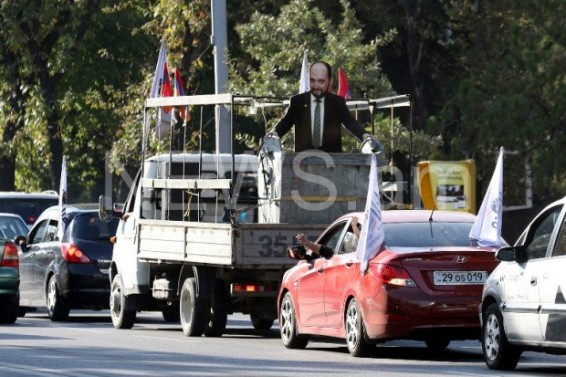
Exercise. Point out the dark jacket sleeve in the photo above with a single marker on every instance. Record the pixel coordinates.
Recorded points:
(288, 120)
(348, 120)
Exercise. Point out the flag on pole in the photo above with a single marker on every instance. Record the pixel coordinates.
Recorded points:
(161, 87)
(64, 217)
(372, 235)
(179, 90)
(304, 84)
(343, 88)
(486, 230)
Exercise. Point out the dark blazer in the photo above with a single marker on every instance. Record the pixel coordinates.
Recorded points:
(336, 113)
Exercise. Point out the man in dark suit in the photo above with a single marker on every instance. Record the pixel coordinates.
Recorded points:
(319, 128)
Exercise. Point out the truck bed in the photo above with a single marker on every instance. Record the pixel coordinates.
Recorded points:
(218, 244)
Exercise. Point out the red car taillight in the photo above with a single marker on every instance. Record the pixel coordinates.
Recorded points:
(73, 254)
(10, 258)
(392, 275)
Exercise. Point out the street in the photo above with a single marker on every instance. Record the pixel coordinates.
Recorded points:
(88, 345)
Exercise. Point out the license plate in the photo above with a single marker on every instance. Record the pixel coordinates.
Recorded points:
(459, 277)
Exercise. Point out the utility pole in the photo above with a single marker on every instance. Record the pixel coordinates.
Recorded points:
(218, 40)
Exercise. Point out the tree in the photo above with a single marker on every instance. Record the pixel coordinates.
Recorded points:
(64, 64)
(510, 90)
(273, 46)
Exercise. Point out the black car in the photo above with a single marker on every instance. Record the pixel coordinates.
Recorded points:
(71, 273)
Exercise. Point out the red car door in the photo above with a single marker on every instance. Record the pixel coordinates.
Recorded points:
(340, 271)
(309, 297)
(312, 281)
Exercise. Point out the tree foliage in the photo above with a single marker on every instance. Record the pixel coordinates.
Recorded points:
(481, 74)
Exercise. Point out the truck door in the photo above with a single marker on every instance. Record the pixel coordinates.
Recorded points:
(124, 254)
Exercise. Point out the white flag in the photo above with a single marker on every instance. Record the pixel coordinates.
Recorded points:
(304, 84)
(486, 230)
(372, 235)
(161, 87)
(64, 219)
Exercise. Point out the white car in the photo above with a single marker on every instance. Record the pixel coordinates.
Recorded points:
(523, 301)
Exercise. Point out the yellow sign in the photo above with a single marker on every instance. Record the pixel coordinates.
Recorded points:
(448, 185)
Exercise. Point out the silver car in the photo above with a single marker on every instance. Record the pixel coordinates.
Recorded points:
(523, 302)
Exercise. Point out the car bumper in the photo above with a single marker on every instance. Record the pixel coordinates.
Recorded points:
(84, 286)
(9, 281)
(404, 315)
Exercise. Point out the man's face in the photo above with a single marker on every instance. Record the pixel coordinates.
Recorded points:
(319, 80)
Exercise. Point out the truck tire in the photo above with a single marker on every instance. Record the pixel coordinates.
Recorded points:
(218, 311)
(193, 309)
(56, 308)
(122, 318)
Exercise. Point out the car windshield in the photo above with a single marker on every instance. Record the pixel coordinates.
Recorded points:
(88, 226)
(12, 227)
(28, 208)
(427, 234)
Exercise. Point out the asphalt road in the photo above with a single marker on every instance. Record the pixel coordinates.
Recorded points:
(88, 345)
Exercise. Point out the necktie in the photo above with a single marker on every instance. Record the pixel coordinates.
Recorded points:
(316, 125)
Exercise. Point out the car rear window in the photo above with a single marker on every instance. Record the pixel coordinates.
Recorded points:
(427, 234)
(28, 208)
(88, 226)
(12, 227)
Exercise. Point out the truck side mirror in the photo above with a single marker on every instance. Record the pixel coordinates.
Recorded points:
(104, 208)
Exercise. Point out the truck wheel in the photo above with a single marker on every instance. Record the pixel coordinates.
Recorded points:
(10, 305)
(355, 331)
(218, 311)
(261, 323)
(122, 318)
(56, 309)
(194, 313)
(288, 325)
(497, 352)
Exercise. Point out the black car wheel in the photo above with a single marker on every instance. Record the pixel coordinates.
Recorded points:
(260, 322)
(122, 316)
(10, 308)
(497, 352)
(56, 308)
(355, 331)
(218, 311)
(288, 325)
(194, 313)
(437, 344)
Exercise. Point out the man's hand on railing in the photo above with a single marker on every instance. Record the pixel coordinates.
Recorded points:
(375, 146)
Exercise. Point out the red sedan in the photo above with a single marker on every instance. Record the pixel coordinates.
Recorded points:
(425, 284)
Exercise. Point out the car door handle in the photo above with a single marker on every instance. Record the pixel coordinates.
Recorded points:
(349, 264)
(533, 280)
